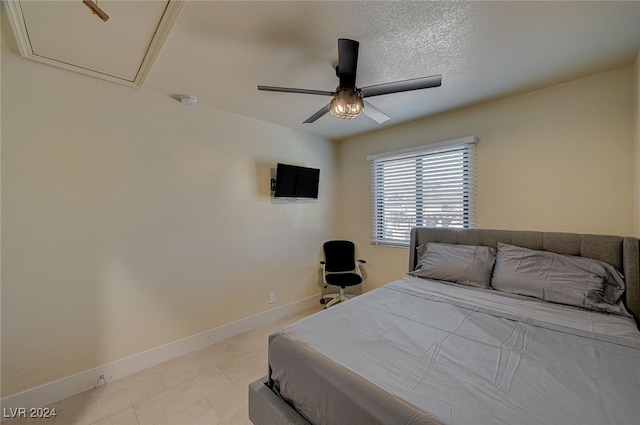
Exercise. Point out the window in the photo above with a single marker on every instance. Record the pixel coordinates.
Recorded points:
(432, 185)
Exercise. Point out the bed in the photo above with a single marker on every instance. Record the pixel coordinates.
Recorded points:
(488, 327)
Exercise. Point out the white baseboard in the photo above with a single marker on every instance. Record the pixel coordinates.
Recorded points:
(51, 392)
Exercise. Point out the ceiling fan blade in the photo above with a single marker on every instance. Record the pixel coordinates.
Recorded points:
(400, 86)
(317, 115)
(347, 62)
(374, 113)
(293, 90)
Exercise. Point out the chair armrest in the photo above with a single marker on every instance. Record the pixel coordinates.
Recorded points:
(324, 273)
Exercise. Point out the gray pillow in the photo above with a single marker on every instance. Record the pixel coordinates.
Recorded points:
(563, 279)
(465, 264)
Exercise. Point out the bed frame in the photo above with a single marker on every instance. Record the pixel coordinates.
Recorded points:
(266, 408)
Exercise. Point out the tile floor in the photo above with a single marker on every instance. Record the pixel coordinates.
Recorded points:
(207, 387)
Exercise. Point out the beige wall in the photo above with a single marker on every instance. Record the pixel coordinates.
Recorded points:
(130, 221)
(558, 159)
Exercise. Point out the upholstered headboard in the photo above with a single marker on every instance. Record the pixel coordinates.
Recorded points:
(620, 252)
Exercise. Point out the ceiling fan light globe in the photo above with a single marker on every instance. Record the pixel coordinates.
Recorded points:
(346, 104)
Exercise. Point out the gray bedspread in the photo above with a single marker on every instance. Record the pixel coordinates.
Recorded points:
(457, 355)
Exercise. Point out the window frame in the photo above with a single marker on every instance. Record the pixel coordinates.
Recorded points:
(381, 228)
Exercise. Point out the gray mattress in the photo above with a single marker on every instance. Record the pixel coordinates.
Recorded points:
(417, 351)
(455, 355)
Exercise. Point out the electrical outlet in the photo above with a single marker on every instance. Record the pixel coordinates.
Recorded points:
(272, 297)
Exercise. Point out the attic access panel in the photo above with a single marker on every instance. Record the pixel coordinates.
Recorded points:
(68, 35)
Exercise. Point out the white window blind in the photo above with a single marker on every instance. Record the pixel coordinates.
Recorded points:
(432, 185)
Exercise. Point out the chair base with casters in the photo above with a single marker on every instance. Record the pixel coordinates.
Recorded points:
(331, 299)
(340, 269)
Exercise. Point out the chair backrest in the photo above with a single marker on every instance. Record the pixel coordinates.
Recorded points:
(340, 256)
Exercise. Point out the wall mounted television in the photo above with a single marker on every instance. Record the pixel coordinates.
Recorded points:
(293, 181)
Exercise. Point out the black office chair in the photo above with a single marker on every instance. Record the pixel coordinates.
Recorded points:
(340, 268)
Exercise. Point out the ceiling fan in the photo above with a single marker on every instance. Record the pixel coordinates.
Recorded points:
(348, 100)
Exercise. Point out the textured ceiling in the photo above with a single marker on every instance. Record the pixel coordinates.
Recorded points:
(220, 51)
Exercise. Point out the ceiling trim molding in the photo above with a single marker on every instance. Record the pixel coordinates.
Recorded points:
(162, 32)
(16, 20)
(19, 29)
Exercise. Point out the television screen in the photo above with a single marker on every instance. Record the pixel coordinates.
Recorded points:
(293, 181)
